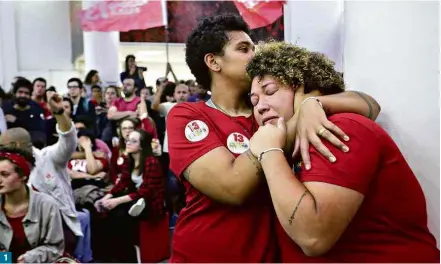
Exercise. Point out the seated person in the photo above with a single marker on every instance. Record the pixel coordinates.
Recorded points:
(92, 170)
(30, 221)
(367, 205)
(139, 194)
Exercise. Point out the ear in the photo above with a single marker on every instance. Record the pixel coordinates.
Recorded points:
(210, 61)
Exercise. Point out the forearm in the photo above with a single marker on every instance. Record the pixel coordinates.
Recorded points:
(351, 102)
(294, 204)
(118, 115)
(91, 163)
(245, 176)
(64, 124)
(123, 199)
(156, 103)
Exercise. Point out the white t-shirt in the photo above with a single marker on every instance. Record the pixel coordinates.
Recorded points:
(137, 180)
(164, 110)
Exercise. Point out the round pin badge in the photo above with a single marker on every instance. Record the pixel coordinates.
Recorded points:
(196, 130)
(238, 143)
(120, 161)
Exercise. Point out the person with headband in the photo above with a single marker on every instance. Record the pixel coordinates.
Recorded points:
(30, 222)
(367, 205)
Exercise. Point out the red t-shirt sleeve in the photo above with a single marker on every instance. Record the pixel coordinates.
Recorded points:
(149, 128)
(115, 103)
(355, 169)
(183, 151)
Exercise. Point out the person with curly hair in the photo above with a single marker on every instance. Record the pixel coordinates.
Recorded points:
(209, 150)
(30, 222)
(368, 206)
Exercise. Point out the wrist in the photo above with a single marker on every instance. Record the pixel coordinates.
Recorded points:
(269, 157)
(268, 151)
(58, 112)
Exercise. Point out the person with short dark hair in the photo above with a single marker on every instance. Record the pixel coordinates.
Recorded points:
(39, 95)
(199, 94)
(125, 107)
(228, 216)
(82, 106)
(25, 113)
(368, 206)
(92, 79)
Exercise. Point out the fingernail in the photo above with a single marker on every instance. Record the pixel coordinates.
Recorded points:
(346, 138)
(345, 149)
(332, 159)
(307, 166)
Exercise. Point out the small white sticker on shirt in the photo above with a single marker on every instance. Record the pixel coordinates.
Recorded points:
(196, 130)
(238, 143)
(120, 161)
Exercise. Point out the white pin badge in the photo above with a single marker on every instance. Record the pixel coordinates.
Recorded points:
(120, 161)
(196, 130)
(238, 143)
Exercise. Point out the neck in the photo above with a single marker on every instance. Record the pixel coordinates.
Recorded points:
(135, 157)
(21, 108)
(129, 98)
(37, 98)
(75, 100)
(17, 197)
(230, 98)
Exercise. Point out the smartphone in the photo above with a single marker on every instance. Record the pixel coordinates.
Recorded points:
(143, 68)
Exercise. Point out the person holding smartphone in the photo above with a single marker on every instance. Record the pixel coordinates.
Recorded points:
(133, 71)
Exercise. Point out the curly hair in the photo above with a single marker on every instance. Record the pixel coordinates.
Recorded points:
(293, 65)
(25, 154)
(22, 83)
(210, 36)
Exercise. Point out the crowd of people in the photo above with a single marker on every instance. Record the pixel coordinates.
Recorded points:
(263, 158)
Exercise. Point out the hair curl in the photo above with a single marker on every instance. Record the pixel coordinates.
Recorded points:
(210, 36)
(293, 65)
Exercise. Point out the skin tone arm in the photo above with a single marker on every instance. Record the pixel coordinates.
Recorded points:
(113, 114)
(156, 102)
(216, 173)
(55, 104)
(93, 166)
(318, 214)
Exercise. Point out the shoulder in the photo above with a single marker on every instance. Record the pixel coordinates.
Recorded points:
(349, 122)
(187, 108)
(43, 199)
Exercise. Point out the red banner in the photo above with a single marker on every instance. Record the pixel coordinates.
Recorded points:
(258, 13)
(123, 15)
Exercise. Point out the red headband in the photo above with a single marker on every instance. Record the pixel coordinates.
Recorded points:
(18, 160)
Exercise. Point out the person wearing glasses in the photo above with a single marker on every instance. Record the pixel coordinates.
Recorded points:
(81, 106)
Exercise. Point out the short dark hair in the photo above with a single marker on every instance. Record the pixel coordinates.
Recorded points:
(51, 89)
(80, 83)
(39, 79)
(22, 83)
(210, 36)
(95, 87)
(293, 65)
(67, 99)
(131, 78)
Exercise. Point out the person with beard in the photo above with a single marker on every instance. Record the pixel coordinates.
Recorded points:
(125, 107)
(81, 106)
(25, 113)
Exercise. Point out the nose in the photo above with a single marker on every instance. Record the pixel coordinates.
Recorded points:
(262, 107)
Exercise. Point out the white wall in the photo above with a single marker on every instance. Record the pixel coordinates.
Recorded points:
(37, 40)
(392, 52)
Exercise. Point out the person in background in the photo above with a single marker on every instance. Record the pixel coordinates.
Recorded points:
(191, 86)
(82, 107)
(97, 97)
(92, 78)
(180, 95)
(209, 149)
(107, 128)
(3, 126)
(50, 174)
(39, 95)
(147, 92)
(138, 195)
(133, 71)
(25, 113)
(30, 222)
(367, 206)
(125, 107)
(199, 94)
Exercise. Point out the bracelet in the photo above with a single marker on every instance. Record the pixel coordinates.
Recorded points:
(266, 151)
(315, 98)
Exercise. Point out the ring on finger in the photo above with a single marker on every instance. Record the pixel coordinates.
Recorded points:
(321, 131)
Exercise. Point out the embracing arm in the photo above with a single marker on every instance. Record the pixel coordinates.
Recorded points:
(224, 178)
(351, 102)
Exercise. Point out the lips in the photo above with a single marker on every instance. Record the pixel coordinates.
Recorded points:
(268, 119)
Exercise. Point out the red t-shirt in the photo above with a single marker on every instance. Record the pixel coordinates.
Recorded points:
(209, 231)
(19, 244)
(47, 112)
(80, 164)
(391, 224)
(122, 105)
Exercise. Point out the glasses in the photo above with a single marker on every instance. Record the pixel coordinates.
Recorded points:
(131, 141)
(73, 86)
(127, 128)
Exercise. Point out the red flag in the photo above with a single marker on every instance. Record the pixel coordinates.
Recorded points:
(123, 15)
(259, 13)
